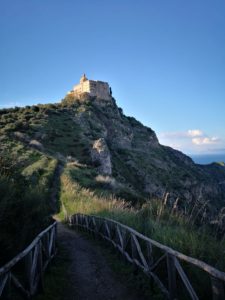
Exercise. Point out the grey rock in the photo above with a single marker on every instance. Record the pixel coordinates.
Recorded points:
(37, 145)
(100, 154)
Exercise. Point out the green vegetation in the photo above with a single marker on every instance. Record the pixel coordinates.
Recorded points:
(34, 140)
(154, 219)
(25, 180)
(56, 281)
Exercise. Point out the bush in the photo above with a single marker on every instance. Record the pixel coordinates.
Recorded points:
(25, 208)
(23, 213)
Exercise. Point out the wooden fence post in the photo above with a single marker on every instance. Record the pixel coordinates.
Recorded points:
(28, 265)
(46, 245)
(40, 267)
(149, 254)
(133, 248)
(171, 270)
(130, 243)
(33, 266)
(54, 239)
(134, 254)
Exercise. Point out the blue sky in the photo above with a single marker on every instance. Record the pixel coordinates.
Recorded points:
(165, 60)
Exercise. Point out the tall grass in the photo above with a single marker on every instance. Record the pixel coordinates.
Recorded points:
(154, 219)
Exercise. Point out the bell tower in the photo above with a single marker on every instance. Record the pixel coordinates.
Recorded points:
(83, 78)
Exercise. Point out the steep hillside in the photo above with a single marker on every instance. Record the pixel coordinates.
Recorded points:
(139, 164)
(112, 153)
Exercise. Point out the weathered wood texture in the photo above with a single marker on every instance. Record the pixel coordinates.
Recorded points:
(148, 255)
(24, 273)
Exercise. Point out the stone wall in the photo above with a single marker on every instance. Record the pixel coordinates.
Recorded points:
(98, 89)
(83, 87)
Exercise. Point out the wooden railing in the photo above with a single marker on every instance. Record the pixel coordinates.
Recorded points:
(168, 268)
(24, 273)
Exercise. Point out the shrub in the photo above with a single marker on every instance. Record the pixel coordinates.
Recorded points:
(25, 208)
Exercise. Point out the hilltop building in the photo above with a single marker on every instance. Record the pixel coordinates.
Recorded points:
(94, 88)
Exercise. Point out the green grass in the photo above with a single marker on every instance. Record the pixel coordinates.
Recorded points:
(26, 177)
(27, 180)
(169, 228)
(155, 220)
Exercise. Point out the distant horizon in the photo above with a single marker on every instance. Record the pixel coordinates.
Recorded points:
(208, 158)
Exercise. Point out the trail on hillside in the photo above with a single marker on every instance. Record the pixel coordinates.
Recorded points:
(90, 276)
(55, 188)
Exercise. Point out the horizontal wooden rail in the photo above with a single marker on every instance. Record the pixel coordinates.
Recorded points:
(148, 255)
(24, 273)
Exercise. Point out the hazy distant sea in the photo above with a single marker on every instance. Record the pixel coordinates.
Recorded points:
(207, 159)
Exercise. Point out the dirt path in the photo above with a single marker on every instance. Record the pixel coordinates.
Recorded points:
(54, 201)
(91, 277)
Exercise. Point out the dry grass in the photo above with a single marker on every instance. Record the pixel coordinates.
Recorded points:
(155, 219)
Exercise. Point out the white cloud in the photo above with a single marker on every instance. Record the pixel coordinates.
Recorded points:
(192, 141)
(194, 132)
(205, 140)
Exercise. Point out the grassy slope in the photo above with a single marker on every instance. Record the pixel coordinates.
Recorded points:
(26, 177)
(168, 227)
(33, 140)
(61, 137)
(153, 219)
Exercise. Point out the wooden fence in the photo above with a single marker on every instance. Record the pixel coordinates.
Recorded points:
(24, 273)
(163, 265)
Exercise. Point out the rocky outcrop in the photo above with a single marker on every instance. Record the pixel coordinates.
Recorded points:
(100, 155)
(132, 153)
(22, 136)
(37, 145)
(121, 150)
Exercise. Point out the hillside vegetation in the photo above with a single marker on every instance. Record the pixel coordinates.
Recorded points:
(114, 167)
(155, 218)
(25, 181)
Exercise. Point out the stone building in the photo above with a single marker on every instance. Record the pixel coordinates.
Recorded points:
(94, 88)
